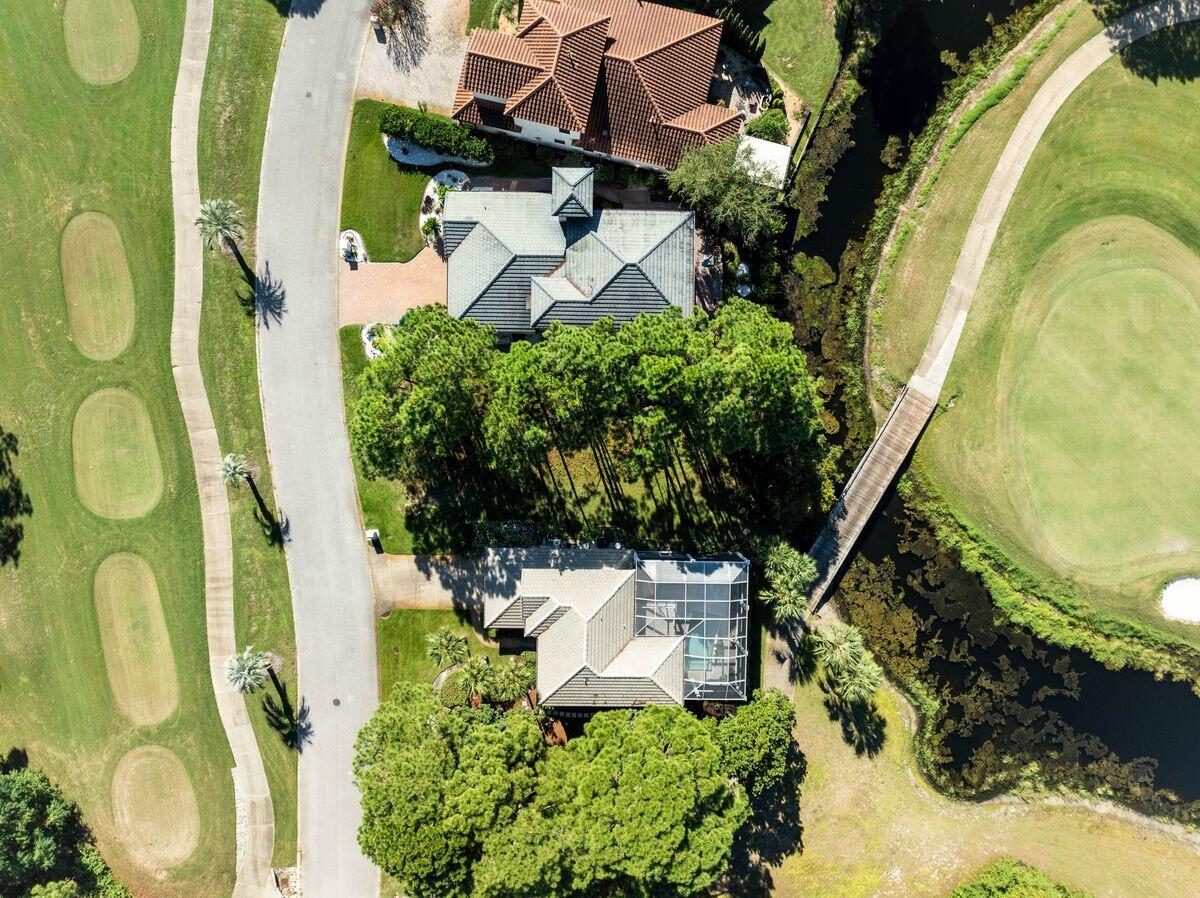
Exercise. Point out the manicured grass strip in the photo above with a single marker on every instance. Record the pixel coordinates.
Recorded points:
(380, 200)
(98, 286)
(155, 807)
(382, 501)
(102, 39)
(480, 15)
(117, 468)
(401, 640)
(137, 645)
(237, 91)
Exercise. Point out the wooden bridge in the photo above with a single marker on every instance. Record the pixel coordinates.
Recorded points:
(870, 480)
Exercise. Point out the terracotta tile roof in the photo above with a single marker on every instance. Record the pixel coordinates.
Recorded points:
(544, 100)
(632, 76)
(705, 118)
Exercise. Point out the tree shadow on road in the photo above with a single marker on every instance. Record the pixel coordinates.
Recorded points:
(267, 298)
(15, 503)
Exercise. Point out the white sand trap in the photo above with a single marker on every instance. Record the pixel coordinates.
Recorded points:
(1181, 599)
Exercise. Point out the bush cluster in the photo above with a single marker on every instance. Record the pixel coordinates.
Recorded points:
(771, 125)
(435, 132)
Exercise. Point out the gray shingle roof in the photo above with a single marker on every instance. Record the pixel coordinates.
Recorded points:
(571, 192)
(516, 264)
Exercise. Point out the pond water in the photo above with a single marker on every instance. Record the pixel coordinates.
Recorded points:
(1008, 698)
(905, 79)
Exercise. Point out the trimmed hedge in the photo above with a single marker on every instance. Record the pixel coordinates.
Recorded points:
(435, 132)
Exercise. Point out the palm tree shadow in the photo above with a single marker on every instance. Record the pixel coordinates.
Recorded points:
(276, 530)
(269, 297)
(863, 728)
(293, 725)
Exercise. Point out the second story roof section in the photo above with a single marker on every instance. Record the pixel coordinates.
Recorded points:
(620, 78)
(519, 261)
(618, 630)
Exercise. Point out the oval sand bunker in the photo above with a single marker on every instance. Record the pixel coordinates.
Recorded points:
(137, 646)
(118, 473)
(1181, 600)
(155, 808)
(102, 39)
(97, 284)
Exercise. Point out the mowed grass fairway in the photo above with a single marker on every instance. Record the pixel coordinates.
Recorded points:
(71, 147)
(98, 286)
(1070, 436)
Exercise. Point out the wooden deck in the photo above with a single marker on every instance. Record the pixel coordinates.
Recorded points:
(867, 485)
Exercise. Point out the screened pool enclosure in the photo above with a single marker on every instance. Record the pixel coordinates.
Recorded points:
(705, 599)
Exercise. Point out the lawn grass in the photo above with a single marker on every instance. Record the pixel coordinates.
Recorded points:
(401, 640)
(71, 147)
(872, 827)
(1069, 441)
(480, 15)
(802, 48)
(237, 91)
(380, 199)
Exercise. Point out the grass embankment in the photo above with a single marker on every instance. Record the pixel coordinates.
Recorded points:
(1072, 479)
(74, 147)
(872, 827)
(802, 48)
(233, 115)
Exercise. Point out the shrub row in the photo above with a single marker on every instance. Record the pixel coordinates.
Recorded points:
(435, 132)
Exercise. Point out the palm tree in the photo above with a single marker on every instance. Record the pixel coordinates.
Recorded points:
(222, 222)
(235, 470)
(508, 683)
(790, 576)
(838, 646)
(859, 683)
(478, 679)
(247, 670)
(446, 648)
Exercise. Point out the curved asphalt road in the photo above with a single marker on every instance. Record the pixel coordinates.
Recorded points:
(300, 377)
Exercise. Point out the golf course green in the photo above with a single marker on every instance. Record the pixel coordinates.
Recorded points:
(1067, 437)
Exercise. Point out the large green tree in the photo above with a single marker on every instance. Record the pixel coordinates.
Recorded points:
(730, 191)
(640, 805)
(436, 784)
(420, 408)
(40, 831)
(756, 741)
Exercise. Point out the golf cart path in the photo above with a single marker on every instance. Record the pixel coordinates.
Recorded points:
(301, 388)
(916, 402)
(255, 813)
